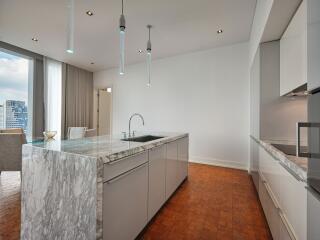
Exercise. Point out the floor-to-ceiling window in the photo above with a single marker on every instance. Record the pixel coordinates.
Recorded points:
(16, 79)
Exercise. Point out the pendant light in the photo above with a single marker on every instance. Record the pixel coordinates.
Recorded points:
(70, 30)
(122, 27)
(149, 57)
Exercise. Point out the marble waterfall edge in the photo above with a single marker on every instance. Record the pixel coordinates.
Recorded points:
(58, 195)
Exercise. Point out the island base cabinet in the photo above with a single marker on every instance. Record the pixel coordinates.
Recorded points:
(183, 156)
(157, 179)
(172, 169)
(125, 201)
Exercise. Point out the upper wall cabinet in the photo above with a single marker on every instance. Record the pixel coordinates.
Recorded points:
(293, 52)
(313, 44)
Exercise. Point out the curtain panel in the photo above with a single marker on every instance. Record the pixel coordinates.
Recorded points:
(77, 98)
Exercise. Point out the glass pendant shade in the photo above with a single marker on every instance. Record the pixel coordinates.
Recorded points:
(149, 67)
(70, 29)
(122, 40)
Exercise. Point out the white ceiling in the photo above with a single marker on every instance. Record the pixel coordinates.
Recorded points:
(180, 26)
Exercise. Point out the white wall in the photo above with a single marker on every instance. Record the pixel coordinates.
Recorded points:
(263, 9)
(278, 115)
(203, 93)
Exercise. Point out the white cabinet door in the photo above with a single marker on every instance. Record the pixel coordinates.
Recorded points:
(157, 179)
(183, 156)
(125, 204)
(313, 44)
(172, 168)
(293, 203)
(293, 52)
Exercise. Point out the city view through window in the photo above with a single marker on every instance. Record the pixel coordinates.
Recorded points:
(15, 76)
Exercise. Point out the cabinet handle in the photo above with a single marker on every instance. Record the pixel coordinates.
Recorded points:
(288, 227)
(296, 176)
(275, 203)
(123, 158)
(122, 175)
(298, 136)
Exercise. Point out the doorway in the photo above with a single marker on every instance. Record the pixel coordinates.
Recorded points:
(104, 111)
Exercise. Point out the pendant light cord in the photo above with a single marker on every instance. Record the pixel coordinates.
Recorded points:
(122, 7)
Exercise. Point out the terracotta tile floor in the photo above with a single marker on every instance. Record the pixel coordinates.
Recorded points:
(214, 203)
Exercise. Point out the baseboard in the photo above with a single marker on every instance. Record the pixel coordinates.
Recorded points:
(218, 162)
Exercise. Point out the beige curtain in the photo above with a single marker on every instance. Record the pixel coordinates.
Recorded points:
(77, 98)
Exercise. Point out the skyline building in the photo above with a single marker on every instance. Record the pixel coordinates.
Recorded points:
(2, 122)
(16, 114)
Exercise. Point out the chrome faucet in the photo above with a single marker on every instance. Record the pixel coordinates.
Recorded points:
(135, 114)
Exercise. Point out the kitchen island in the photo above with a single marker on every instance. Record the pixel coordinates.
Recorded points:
(99, 187)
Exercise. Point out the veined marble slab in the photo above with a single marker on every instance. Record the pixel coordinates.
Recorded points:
(62, 184)
(298, 165)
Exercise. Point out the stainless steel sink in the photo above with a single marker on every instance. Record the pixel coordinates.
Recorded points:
(145, 138)
(289, 149)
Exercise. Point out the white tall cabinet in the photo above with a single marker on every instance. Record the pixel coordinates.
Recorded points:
(293, 52)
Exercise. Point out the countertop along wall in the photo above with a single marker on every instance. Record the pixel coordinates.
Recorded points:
(204, 93)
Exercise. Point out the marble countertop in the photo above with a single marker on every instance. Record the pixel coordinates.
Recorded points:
(107, 148)
(298, 165)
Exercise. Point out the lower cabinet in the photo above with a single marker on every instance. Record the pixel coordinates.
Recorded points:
(177, 164)
(284, 233)
(183, 156)
(136, 187)
(271, 211)
(125, 200)
(284, 199)
(313, 215)
(172, 168)
(157, 179)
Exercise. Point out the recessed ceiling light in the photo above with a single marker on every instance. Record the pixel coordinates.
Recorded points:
(220, 31)
(92, 63)
(35, 39)
(89, 13)
(140, 51)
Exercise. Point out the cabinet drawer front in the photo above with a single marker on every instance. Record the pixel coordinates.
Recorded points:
(294, 203)
(270, 210)
(271, 173)
(114, 169)
(125, 205)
